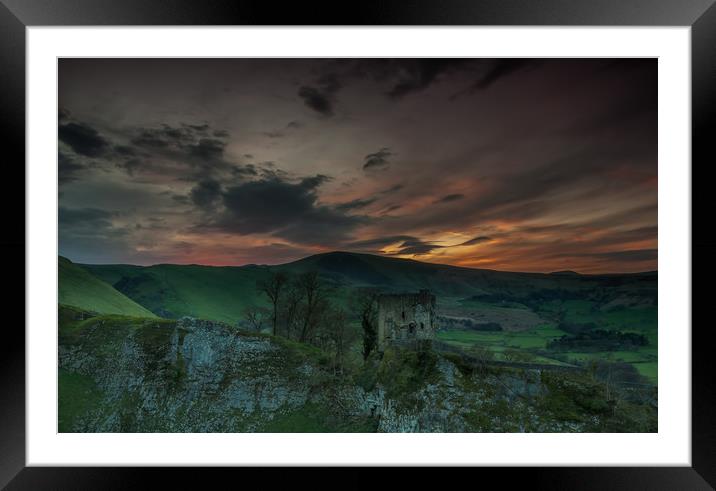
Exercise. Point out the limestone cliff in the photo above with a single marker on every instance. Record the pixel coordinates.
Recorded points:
(123, 374)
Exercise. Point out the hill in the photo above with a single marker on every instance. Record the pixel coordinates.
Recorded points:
(222, 293)
(78, 288)
(172, 291)
(453, 281)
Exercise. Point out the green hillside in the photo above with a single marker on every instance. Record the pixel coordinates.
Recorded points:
(223, 293)
(451, 281)
(81, 289)
(172, 291)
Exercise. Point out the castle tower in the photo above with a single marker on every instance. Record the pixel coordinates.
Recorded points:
(405, 316)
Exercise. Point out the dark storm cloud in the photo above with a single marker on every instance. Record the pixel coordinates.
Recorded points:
(150, 139)
(201, 128)
(477, 240)
(377, 160)
(406, 244)
(130, 160)
(189, 138)
(83, 139)
(355, 204)
(132, 165)
(500, 69)
(419, 74)
(207, 149)
(449, 198)
(283, 208)
(86, 220)
(186, 151)
(411, 76)
(316, 100)
(125, 150)
(241, 171)
(280, 133)
(206, 194)
(163, 149)
(627, 105)
(374, 245)
(417, 247)
(89, 234)
(181, 199)
(69, 169)
(321, 97)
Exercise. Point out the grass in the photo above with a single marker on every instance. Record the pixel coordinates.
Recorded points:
(79, 288)
(648, 369)
(77, 395)
(578, 311)
(172, 291)
(314, 418)
(402, 372)
(641, 320)
(499, 341)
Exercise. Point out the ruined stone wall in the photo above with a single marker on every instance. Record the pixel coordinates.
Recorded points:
(406, 316)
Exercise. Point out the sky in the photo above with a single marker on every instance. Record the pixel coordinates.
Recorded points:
(509, 164)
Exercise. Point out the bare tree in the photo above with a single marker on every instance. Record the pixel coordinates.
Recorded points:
(313, 292)
(255, 317)
(335, 335)
(291, 309)
(366, 304)
(273, 287)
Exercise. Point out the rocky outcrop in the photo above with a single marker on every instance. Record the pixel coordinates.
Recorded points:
(153, 375)
(188, 375)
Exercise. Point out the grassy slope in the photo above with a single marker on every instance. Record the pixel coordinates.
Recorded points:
(80, 289)
(172, 291)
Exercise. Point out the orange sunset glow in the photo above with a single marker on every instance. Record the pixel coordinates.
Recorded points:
(508, 164)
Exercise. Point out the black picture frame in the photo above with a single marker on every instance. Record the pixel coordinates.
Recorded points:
(16, 15)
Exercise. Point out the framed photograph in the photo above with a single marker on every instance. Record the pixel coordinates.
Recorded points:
(450, 234)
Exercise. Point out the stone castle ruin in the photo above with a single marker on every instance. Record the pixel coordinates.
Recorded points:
(405, 316)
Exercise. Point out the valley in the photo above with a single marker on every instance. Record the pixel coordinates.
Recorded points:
(172, 348)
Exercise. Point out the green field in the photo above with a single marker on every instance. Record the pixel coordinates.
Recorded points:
(79, 288)
(534, 341)
(497, 342)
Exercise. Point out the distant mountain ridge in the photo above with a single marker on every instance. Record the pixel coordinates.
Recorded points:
(222, 293)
